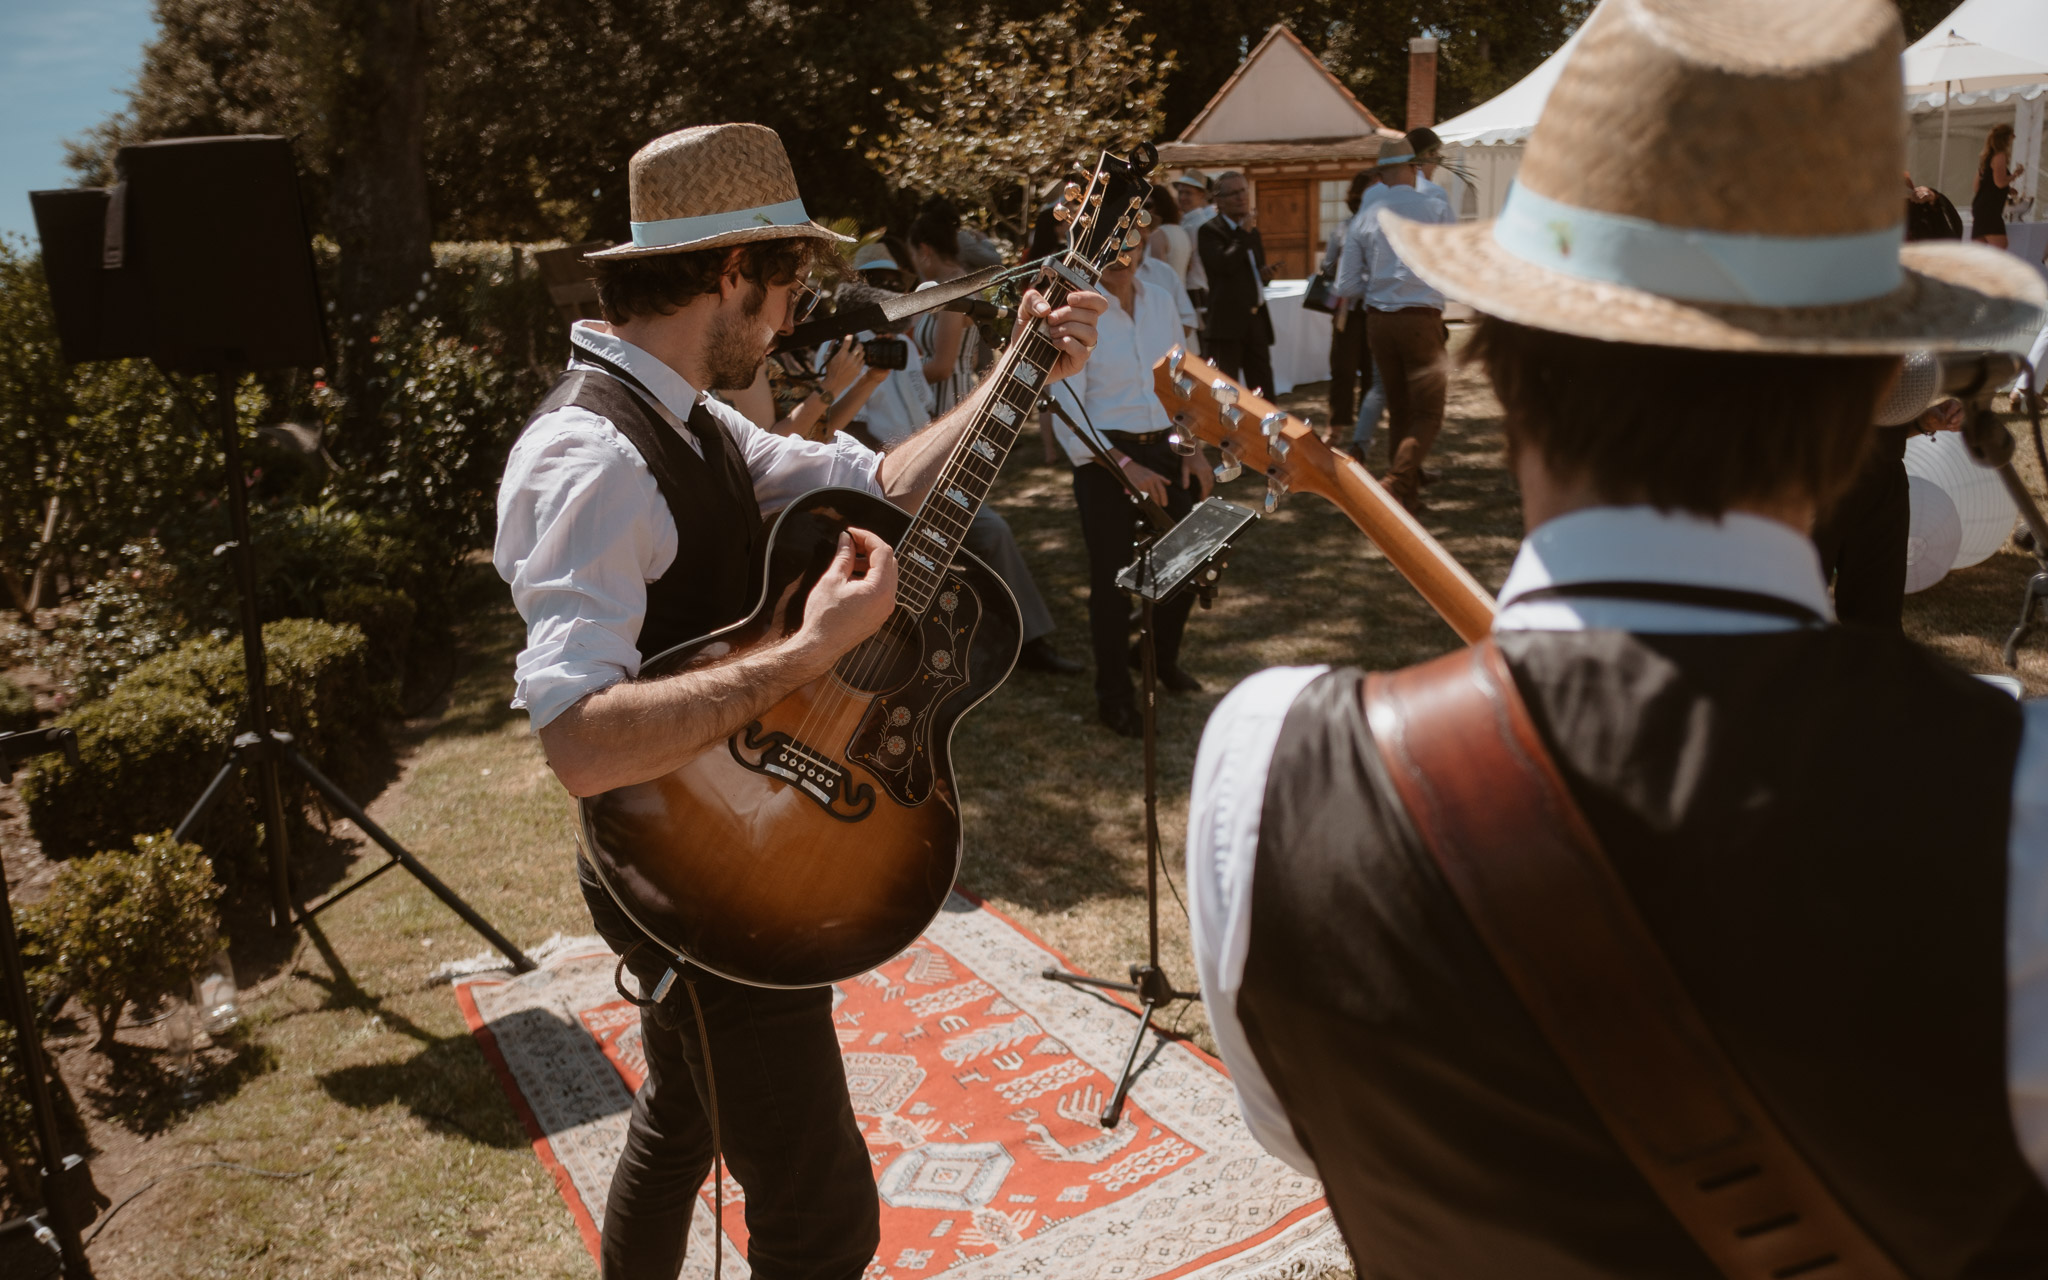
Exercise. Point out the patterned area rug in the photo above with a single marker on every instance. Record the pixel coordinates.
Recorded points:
(977, 1084)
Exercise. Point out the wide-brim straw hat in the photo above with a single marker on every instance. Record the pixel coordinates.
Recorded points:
(712, 186)
(1725, 176)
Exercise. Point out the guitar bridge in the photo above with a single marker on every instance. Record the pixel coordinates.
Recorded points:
(815, 774)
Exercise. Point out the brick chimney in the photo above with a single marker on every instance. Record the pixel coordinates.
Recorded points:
(1421, 81)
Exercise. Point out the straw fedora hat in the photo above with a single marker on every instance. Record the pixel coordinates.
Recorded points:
(712, 186)
(1724, 175)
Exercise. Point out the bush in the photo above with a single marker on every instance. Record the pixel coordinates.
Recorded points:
(148, 749)
(18, 1154)
(385, 617)
(302, 554)
(17, 708)
(123, 619)
(130, 927)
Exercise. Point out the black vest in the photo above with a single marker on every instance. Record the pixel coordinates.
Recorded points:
(1814, 825)
(713, 582)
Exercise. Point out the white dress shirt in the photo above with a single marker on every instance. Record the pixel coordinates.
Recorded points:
(1602, 544)
(1115, 386)
(1161, 273)
(583, 528)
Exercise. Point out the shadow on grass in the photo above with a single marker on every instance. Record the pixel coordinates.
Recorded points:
(143, 1094)
(446, 1082)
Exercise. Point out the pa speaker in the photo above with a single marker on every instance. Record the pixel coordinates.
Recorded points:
(102, 313)
(201, 254)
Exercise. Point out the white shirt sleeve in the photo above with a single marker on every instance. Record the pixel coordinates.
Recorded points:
(582, 530)
(784, 468)
(2026, 941)
(1224, 808)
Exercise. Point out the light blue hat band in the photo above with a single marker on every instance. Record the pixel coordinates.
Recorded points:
(1693, 265)
(675, 231)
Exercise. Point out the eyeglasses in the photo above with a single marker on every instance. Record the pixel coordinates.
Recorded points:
(803, 301)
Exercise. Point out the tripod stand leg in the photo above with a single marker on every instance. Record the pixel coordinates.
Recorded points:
(206, 799)
(2037, 588)
(1115, 1110)
(340, 800)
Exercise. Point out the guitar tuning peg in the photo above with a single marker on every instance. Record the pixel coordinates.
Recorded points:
(1276, 489)
(1061, 213)
(1144, 217)
(1278, 447)
(1123, 259)
(1223, 392)
(1174, 359)
(1095, 199)
(1131, 238)
(1182, 443)
(1184, 386)
(1269, 426)
(1072, 192)
(1230, 468)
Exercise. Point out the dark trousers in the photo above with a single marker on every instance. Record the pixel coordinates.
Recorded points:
(1862, 540)
(785, 1122)
(1108, 526)
(1350, 369)
(1251, 363)
(1408, 349)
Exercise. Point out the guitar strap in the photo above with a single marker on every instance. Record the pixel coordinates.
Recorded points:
(1489, 804)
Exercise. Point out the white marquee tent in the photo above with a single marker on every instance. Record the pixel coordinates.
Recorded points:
(2003, 87)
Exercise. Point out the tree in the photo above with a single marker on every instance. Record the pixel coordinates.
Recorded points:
(1018, 103)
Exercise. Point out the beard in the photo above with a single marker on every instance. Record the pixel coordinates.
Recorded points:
(733, 346)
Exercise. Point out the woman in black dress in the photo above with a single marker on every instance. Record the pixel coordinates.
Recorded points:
(1995, 175)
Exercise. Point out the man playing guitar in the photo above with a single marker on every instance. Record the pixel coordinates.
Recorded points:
(627, 520)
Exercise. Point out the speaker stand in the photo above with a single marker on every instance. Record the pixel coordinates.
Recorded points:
(263, 751)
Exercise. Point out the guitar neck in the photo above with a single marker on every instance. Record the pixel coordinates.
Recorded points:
(1013, 387)
(1435, 575)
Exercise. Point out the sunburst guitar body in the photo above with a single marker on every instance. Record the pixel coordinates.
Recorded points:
(822, 838)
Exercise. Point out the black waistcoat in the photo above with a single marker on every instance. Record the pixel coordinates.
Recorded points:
(1814, 825)
(713, 581)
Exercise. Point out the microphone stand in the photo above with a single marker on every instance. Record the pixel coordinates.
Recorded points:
(1149, 981)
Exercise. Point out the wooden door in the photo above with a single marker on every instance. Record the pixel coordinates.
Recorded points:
(1284, 217)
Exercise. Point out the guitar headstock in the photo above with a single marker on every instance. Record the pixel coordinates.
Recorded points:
(1108, 219)
(1249, 431)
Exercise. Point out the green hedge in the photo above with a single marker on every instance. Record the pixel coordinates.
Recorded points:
(148, 748)
(128, 927)
(17, 708)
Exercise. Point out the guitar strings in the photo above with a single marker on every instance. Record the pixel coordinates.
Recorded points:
(880, 650)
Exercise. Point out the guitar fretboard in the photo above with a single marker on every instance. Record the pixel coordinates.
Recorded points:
(928, 549)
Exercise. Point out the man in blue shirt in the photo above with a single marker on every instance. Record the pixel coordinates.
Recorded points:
(1406, 329)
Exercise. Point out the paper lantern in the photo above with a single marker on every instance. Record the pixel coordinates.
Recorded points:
(1935, 537)
(1958, 507)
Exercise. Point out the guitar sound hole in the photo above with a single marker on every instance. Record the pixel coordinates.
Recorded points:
(887, 660)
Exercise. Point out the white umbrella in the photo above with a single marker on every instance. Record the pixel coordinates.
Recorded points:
(1947, 64)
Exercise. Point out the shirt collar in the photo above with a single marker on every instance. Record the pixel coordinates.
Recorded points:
(1738, 552)
(676, 394)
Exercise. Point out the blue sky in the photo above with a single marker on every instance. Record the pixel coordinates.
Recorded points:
(64, 66)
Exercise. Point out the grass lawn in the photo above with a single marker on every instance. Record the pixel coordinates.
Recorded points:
(355, 1066)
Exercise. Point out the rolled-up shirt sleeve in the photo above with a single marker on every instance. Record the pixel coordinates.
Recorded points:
(1224, 808)
(784, 468)
(576, 543)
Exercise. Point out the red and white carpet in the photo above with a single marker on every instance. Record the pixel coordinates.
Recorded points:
(977, 1084)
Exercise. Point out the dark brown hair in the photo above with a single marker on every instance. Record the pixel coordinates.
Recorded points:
(1696, 431)
(661, 283)
(1165, 209)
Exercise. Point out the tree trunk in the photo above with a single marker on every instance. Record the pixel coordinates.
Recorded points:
(379, 208)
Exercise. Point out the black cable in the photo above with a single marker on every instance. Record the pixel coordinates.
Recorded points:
(190, 1168)
(717, 1148)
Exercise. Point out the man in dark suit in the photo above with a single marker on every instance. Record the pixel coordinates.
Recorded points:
(1240, 333)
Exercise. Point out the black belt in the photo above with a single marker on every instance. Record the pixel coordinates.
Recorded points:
(1678, 593)
(1122, 438)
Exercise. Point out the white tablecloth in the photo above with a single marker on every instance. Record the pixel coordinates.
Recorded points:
(1301, 338)
(2028, 239)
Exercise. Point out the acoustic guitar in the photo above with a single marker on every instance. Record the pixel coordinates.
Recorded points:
(821, 839)
(1252, 432)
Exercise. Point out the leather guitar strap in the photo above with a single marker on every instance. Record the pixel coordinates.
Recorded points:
(1490, 806)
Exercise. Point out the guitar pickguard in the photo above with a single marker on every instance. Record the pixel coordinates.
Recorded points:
(896, 739)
